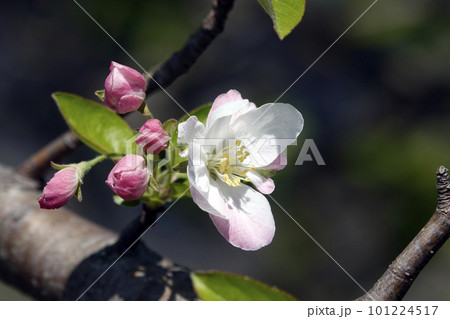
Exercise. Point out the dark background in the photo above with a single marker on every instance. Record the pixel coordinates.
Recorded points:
(376, 105)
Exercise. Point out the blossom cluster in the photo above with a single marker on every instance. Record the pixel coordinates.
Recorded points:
(231, 158)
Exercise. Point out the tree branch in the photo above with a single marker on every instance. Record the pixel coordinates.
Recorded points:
(178, 64)
(400, 275)
(57, 255)
(38, 163)
(181, 61)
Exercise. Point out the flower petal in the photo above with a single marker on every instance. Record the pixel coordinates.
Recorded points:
(279, 163)
(228, 104)
(249, 223)
(268, 130)
(129, 103)
(190, 129)
(263, 184)
(204, 200)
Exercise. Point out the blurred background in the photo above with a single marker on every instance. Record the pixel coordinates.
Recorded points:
(376, 105)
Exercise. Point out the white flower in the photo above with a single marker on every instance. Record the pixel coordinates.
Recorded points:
(239, 142)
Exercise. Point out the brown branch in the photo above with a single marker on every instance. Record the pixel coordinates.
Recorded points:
(58, 255)
(39, 250)
(400, 275)
(39, 162)
(181, 61)
(178, 64)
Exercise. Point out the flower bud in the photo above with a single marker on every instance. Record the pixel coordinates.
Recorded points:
(152, 137)
(60, 189)
(129, 178)
(124, 88)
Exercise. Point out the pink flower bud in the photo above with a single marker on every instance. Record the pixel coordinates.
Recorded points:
(124, 88)
(152, 137)
(60, 189)
(129, 178)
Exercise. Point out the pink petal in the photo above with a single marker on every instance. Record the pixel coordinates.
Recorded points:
(226, 104)
(279, 163)
(60, 189)
(230, 96)
(249, 223)
(245, 221)
(129, 103)
(264, 185)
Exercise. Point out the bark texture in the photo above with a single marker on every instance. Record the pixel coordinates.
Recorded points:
(54, 255)
(402, 272)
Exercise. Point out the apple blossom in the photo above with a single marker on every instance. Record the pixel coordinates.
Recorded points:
(60, 189)
(238, 145)
(124, 88)
(152, 137)
(129, 178)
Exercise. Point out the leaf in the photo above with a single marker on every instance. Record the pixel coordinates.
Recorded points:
(170, 126)
(126, 203)
(95, 125)
(218, 286)
(285, 14)
(180, 189)
(180, 167)
(200, 112)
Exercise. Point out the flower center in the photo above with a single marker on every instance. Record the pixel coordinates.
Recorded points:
(228, 164)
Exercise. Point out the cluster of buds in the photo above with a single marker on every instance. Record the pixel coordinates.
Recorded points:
(129, 178)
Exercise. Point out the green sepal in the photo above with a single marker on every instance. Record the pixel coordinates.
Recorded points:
(126, 203)
(144, 110)
(78, 192)
(61, 166)
(153, 184)
(100, 94)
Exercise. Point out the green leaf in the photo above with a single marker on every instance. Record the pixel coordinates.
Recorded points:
(285, 14)
(126, 203)
(97, 126)
(179, 189)
(200, 112)
(170, 126)
(181, 167)
(218, 286)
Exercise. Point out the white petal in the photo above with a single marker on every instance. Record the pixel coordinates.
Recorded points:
(197, 170)
(263, 184)
(267, 130)
(211, 201)
(249, 223)
(190, 129)
(228, 104)
(279, 163)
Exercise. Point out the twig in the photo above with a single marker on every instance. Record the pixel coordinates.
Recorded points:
(178, 64)
(38, 163)
(400, 275)
(181, 61)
